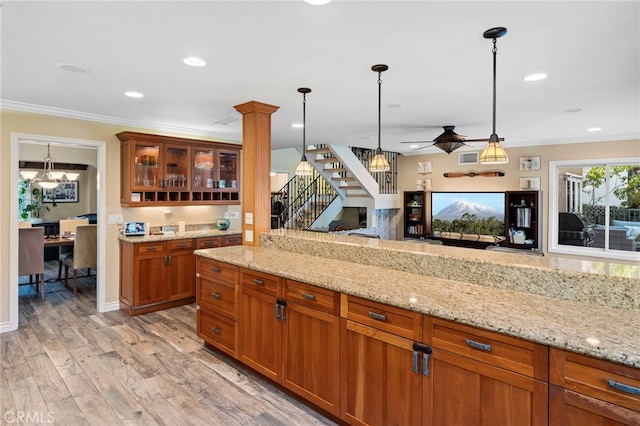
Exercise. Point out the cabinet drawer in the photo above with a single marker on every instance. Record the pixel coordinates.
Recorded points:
(232, 240)
(312, 296)
(218, 271)
(150, 248)
(517, 355)
(218, 331)
(210, 242)
(177, 245)
(383, 317)
(259, 281)
(217, 296)
(604, 380)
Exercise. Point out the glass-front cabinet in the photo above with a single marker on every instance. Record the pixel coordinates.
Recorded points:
(162, 170)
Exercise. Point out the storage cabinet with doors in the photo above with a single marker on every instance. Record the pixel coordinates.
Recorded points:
(523, 220)
(161, 170)
(217, 304)
(485, 378)
(586, 391)
(289, 331)
(384, 367)
(415, 214)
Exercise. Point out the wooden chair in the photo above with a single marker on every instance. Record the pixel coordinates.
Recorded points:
(24, 224)
(31, 255)
(84, 253)
(67, 226)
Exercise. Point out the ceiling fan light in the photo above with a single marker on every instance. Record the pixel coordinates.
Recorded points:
(379, 163)
(449, 146)
(493, 154)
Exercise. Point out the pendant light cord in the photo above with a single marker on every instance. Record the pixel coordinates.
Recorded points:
(495, 51)
(304, 127)
(379, 107)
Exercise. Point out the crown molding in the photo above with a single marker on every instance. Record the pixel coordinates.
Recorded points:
(232, 137)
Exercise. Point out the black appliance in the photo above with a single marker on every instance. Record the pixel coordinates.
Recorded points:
(574, 229)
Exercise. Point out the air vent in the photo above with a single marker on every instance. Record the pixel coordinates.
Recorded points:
(468, 157)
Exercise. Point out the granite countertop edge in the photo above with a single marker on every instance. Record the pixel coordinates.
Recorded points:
(176, 236)
(598, 331)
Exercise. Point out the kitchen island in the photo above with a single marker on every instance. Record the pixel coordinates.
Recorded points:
(568, 306)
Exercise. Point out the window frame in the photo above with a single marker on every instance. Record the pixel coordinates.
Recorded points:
(552, 231)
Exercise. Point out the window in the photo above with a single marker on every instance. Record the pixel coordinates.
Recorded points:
(595, 208)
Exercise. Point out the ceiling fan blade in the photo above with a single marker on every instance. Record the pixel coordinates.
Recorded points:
(482, 140)
(422, 147)
(418, 142)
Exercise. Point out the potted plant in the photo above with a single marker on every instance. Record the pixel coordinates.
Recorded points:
(30, 200)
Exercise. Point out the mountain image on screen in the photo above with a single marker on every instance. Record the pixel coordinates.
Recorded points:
(458, 209)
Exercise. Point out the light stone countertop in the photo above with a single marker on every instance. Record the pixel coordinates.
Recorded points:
(589, 328)
(202, 233)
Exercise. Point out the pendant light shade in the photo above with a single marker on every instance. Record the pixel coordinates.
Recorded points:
(494, 153)
(304, 168)
(48, 178)
(379, 162)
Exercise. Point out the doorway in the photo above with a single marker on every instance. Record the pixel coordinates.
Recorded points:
(101, 176)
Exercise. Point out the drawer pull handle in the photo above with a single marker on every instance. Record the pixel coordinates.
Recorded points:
(258, 282)
(153, 248)
(216, 330)
(182, 245)
(476, 345)
(216, 295)
(308, 296)
(378, 317)
(622, 387)
(215, 269)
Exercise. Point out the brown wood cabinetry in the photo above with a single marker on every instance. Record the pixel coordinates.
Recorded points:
(289, 331)
(217, 300)
(589, 391)
(383, 378)
(484, 378)
(161, 170)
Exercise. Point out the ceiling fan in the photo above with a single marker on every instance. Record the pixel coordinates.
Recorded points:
(449, 140)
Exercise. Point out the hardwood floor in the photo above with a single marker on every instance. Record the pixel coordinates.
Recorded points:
(67, 364)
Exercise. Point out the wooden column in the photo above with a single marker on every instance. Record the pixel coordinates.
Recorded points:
(256, 166)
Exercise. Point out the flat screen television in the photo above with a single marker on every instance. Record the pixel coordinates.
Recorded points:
(478, 213)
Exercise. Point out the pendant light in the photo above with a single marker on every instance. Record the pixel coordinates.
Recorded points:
(494, 153)
(379, 163)
(48, 178)
(304, 168)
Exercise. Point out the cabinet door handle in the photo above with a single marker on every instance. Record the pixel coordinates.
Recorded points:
(215, 269)
(216, 296)
(282, 317)
(164, 260)
(377, 316)
(622, 387)
(425, 363)
(170, 259)
(216, 330)
(415, 362)
(477, 345)
(276, 311)
(258, 282)
(308, 296)
(426, 351)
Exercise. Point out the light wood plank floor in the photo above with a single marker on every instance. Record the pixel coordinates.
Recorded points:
(67, 364)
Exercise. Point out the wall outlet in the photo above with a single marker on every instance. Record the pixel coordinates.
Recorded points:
(226, 215)
(235, 215)
(248, 218)
(115, 219)
(248, 236)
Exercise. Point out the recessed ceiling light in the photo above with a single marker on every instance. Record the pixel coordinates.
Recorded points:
(73, 68)
(317, 2)
(594, 129)
(413, 146)
(194, 61)
(535, 77)
(392, 106)
(572, 110)
(134, 94)
(297, 125)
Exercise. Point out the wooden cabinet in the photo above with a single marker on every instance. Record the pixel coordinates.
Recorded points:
(160, 274)
(289, 331)
(219, 241)
(156, 275)
(485, 378)
(588, 391)
(161, 170)
(384, 371)
(523, 220)
(217, 304)
(415, 225)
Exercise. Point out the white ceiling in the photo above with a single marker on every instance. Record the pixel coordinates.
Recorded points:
(440, 67)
